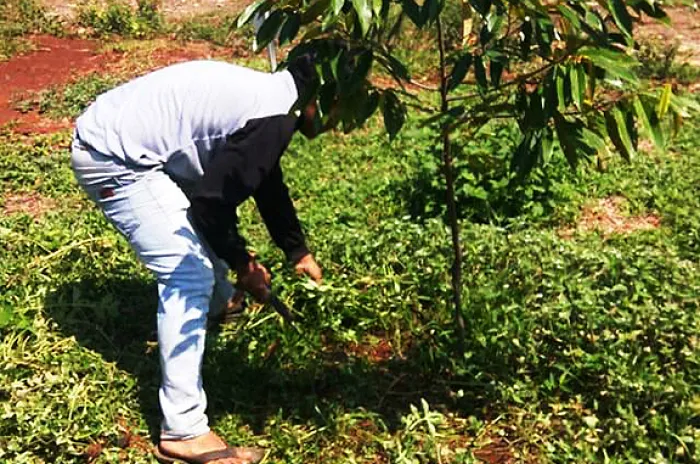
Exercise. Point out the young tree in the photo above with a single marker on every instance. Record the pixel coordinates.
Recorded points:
(564, 70)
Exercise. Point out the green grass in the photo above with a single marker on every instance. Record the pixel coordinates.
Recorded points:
(118, 17)
(215, 27)
(68, 100)
(582, 349)
(21, 17)
(577, 349)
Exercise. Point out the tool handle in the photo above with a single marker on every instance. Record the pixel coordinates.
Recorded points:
(279, 306)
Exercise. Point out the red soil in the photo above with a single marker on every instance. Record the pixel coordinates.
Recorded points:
(59, 61)
(55, 61)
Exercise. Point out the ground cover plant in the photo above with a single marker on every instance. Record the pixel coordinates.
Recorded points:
(581, 344)
(18, 18)
(578, 348)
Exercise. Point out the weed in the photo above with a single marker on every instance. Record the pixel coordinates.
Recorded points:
(660, 61)
(70, 100)
(119, 18)
(21, 17)
(486, 188)
(211, 27)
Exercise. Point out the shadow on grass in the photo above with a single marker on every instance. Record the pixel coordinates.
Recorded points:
(307, 388)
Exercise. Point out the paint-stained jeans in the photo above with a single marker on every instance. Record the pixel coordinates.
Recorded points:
(151, 211)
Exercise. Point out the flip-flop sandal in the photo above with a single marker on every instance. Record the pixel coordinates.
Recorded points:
(246, 455)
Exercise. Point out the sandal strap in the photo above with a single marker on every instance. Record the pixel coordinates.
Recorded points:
(251, 455)
(213, 456)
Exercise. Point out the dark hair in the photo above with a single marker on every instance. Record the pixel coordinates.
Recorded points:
(303, 70)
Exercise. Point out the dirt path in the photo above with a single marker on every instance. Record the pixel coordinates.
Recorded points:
(55, 61)
(170, 8)
(58, 61)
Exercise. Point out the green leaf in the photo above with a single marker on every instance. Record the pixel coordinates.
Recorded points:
(6, 317)
(377, 8)
(480, 72)
(563, 84)
(549, 95)
(394, 113)
(535, 115)
(269, 29)
(664, 101)
(650, 122)
(358, 68)
(368, 107)
(621, 16)
(337, 6)
(547, 144)
(525, 39)
(570, 15)
(364, 14)
(327, 96)
(544, 35)
(459, 71)
(653, 9)
(612, 62)
(329, 21)
(431, 10)
(572, 140)
(248, 13)
(593, 21)
(683, 106)
(525, 156)
(397, 69)
(477, 192)
(314, 10)
(616, 124)
(363, 64)
(594, 140)
(290, 29)
(578, 85)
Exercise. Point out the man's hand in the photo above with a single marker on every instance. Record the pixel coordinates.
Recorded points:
(308, 265)
(255, 279)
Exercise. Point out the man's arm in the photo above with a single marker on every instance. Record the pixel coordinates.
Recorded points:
(277, 210)
(235, 173)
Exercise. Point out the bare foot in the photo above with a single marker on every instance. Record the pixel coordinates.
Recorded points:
(187, 449)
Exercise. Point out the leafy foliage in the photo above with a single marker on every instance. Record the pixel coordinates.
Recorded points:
(576, 349)
(20, 17)
(580, 348)
(556, 69)
(564, 68)
(211, 27)
(120, 18)
(487, 190)
(70, 100)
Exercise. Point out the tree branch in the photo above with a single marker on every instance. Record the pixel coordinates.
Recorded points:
(451, 201)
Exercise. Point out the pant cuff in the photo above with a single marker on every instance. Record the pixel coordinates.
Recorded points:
(175, 435)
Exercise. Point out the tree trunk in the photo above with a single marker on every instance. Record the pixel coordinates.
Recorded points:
(448, 171)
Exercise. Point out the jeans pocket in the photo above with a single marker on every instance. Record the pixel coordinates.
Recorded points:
(116, 206)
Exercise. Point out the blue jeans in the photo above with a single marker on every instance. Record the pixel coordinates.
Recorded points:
(151, 211)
